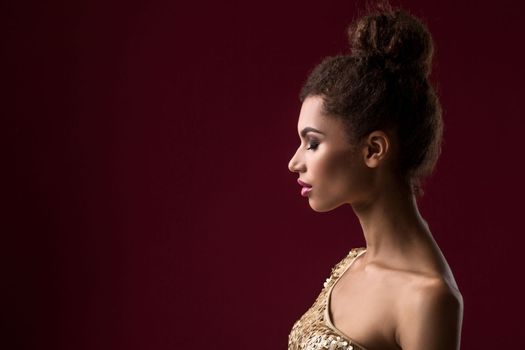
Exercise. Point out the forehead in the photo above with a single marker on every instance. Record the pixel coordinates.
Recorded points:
(310, 111)
(311, 116)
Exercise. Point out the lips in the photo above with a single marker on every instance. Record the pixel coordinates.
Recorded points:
(306, 188)
(305, 191)
(304, 184)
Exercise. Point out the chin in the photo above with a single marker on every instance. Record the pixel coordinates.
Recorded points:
(324, 207)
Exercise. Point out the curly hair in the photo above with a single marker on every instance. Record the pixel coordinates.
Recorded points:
(383, 84)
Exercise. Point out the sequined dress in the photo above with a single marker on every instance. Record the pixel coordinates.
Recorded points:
(315, 330)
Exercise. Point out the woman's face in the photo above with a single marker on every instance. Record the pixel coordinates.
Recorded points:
(326, 161)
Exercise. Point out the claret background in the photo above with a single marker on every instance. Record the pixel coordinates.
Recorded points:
(148, 203)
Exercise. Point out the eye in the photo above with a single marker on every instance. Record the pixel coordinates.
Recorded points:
(313, 145)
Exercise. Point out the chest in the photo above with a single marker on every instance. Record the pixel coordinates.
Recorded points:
(368, 315)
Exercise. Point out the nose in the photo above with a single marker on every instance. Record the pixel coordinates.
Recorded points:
(293, 164)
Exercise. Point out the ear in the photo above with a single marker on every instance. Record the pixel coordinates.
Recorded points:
(375, 148)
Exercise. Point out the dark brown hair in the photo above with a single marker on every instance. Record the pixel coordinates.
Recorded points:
(383, 85)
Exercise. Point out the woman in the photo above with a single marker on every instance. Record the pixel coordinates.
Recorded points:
(370, 128)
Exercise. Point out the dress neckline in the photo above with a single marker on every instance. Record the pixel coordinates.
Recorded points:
(327, 302)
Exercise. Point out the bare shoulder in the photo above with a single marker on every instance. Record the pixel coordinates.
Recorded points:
(430, 315)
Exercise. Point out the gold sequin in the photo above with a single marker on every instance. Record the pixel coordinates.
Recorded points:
(311, 331)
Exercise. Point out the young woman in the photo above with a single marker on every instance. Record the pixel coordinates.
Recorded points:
(370, 128)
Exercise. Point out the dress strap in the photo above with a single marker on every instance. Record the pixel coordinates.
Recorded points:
(336, 275)
(339, 269)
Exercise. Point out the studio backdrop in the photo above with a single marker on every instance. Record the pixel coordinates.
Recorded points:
(149, 203)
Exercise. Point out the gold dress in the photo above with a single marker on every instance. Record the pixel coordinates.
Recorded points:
(315, 330)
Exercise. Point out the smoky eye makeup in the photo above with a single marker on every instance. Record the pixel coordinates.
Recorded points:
(312, 144)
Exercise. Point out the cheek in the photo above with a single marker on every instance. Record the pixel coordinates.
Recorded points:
(336, 170)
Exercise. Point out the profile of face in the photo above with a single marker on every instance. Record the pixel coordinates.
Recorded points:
(337, 172)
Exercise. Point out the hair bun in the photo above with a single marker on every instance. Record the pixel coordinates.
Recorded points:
(392, 39)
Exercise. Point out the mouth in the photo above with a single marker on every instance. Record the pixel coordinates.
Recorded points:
(304, 184)
(305, 191)
(306, 188)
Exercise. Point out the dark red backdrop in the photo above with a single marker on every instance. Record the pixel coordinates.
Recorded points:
(149, 204)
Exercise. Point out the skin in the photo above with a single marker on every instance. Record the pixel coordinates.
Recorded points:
(401, 293)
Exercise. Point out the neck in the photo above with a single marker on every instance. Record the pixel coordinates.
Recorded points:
(392, 225)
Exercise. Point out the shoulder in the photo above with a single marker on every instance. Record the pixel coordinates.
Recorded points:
(429, 315)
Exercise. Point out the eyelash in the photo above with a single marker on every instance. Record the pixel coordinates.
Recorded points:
(313, 145)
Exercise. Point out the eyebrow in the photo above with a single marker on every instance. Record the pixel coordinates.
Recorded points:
(310, 129)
